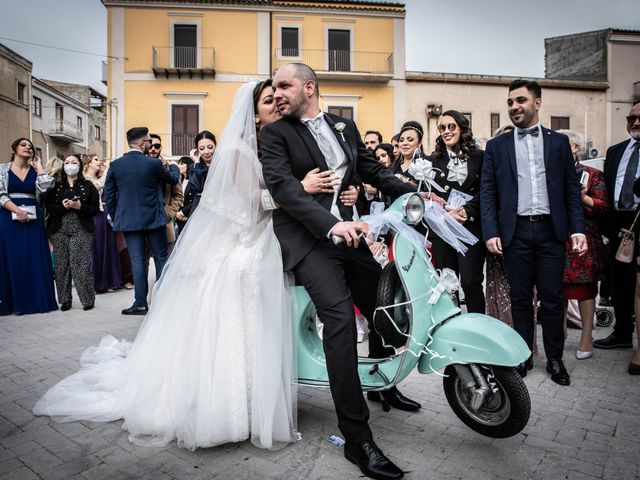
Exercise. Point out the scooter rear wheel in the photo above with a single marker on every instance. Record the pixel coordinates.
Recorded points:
(506, 407)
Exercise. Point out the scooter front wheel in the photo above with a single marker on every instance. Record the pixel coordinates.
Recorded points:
(501, 411)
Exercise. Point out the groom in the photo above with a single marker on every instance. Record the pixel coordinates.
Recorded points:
(335, 276)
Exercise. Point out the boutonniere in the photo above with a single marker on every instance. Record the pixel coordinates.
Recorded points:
(340, 128)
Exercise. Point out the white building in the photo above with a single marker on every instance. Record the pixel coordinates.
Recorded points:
(59, 123)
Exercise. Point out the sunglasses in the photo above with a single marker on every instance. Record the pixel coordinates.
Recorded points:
(633, 118)
(451, 127)
(155, 145)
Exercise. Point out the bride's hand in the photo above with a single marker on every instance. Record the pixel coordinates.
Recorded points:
(316, 181)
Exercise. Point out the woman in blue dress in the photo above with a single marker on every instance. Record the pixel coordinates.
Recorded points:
(26, 273)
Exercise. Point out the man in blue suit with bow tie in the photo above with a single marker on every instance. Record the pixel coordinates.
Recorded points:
(530, 205)
(133, 194)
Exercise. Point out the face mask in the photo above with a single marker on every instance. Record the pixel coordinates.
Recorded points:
(71, 169)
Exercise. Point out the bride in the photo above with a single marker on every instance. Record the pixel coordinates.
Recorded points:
(212, 362)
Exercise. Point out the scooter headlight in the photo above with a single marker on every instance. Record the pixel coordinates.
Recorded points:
(414, 209)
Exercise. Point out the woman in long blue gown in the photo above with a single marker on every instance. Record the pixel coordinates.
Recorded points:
(26, 273)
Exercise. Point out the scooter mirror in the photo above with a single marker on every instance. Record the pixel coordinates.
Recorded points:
(414, 209)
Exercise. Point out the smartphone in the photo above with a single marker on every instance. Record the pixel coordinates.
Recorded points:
(584, 179)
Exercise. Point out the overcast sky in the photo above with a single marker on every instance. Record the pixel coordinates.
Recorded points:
(497, 37)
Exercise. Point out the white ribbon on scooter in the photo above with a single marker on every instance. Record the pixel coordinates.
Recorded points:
(447, 228)
(422, 170)
(380, 221)
(447, 282)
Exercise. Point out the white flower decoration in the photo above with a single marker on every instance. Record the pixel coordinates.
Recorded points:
(340, 126)
(421, 169)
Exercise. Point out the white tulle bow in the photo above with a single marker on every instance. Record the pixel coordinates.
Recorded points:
(447, 228)
(447, 282)
(422, 170)
(380, 221)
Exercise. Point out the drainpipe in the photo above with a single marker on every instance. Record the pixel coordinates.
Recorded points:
(46, 145)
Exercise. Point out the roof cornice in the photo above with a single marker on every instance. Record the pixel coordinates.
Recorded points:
(501, 80)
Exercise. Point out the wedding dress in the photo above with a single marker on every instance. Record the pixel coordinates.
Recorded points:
(212, 362)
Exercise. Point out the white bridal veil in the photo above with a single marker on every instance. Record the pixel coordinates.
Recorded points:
(213, 360)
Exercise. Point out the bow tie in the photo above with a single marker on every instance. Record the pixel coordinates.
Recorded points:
(457, 160)
(523, 132)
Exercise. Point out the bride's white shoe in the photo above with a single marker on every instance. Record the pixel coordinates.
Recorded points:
(583, 355)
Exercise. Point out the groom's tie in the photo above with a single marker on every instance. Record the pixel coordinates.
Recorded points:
(323, 142)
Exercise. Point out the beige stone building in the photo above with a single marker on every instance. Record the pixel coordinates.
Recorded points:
(591, 81)
(96, 128)
(15, 99)
(611, 56)
(578, 105)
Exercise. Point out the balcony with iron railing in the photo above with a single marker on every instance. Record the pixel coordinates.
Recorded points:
(66, 131)
(198, 61)
(340, 64)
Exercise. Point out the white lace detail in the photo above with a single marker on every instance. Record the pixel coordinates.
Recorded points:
(212, 362)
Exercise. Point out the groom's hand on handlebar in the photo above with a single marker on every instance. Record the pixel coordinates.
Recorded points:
(351, 232)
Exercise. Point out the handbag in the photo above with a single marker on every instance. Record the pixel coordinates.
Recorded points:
(31, 212)
(624, 253)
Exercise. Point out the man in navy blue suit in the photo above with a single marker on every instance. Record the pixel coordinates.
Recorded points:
(530, 199)
(133, 193)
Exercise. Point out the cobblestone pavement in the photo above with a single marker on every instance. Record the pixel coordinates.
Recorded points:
(586, 431)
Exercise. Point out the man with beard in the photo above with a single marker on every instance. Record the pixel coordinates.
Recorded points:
(620, 171)
(530, 203)
(133, 200)
(335, 276)
(372, 139)
(172, 195)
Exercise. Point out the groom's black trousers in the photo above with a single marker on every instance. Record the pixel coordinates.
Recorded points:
(336, 277)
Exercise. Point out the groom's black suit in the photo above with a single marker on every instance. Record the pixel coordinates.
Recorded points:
(336, 276)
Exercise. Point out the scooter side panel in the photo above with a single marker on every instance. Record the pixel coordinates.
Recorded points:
(311, 365)
(474, 338)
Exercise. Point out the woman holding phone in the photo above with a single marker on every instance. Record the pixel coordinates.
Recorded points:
(72, 204)
(26, 276)
(581, 273)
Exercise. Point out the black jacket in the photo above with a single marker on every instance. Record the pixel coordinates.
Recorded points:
(289, 151)
(89, 204)
(471, 186)
(194, 188)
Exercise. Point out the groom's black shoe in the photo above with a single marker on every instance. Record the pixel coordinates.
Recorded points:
(133, 310)
(371, 461)
(395, 399)
(525, 366)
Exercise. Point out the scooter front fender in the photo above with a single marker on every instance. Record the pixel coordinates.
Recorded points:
(474, 338)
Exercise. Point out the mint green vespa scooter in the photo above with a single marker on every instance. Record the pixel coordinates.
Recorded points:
(417, 316)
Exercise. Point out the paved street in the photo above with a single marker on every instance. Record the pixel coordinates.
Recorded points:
(586, 431)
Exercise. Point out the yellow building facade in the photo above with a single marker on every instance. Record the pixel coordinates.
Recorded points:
(174, 66)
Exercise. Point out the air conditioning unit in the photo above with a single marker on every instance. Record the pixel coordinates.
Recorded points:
(433, 110)
(594, 152)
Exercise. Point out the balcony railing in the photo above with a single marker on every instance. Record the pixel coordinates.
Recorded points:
(66, 131)
(183, 60)
(378, 65)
